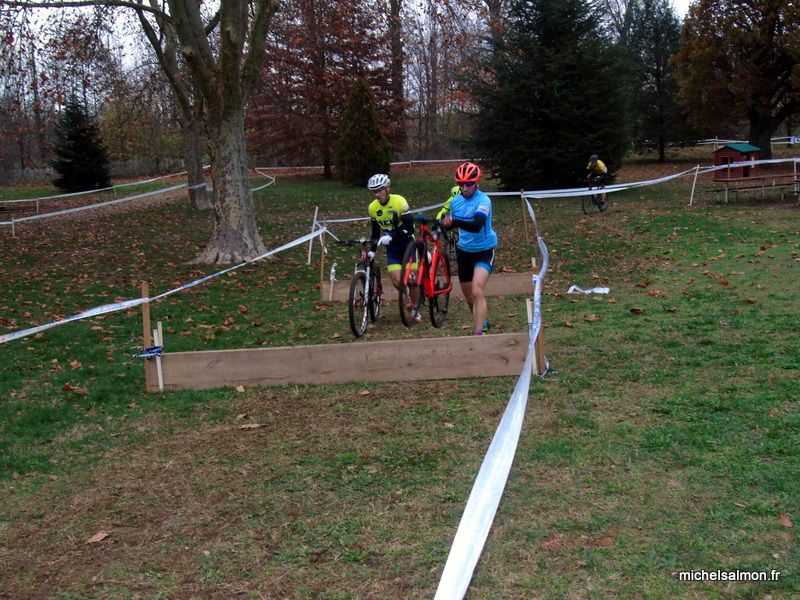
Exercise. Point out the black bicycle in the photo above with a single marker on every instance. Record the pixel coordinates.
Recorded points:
(598, 202)
(366, 291)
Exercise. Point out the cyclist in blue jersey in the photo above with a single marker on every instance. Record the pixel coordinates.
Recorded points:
(471, 213)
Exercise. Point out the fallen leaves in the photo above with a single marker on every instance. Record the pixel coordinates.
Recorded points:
(98, 537)
(68, 387)
(636, 310)
(591, 318)
(785, 521)
(251, 426)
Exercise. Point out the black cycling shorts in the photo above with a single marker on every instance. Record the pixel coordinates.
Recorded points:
(467, 261)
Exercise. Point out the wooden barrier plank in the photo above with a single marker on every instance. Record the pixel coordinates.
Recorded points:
(410, 360)
(500, 284)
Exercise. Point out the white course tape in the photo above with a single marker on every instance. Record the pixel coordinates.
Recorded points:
(486, 493)
(99, 204)
(109, 308)
(575, 289)
(484, 499)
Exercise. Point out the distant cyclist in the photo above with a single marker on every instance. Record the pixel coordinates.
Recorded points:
(596, 170)
(454, 191)
(391, 227)
(596, 175)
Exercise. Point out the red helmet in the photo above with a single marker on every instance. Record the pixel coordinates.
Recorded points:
(467, 172)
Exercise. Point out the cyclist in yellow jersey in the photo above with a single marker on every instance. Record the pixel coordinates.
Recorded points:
(454, 191)
(392, 227)
(596, 170)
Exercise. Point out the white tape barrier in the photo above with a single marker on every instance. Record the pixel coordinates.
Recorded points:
(119, 185)
(173, 188)
(486, 493)
(109, 308)
(484, 499)
(99, 204)
(262, 173)
(355, 219)
(576, 289)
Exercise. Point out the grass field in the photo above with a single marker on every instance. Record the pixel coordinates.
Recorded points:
(667, 438)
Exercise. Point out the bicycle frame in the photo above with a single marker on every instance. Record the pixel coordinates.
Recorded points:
(364, 264)
(426, 272)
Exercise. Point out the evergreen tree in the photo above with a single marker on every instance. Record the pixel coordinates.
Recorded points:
(655, 36)
(362, 150)
(556, 97)
(81, 160)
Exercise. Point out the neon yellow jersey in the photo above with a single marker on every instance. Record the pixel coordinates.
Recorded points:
(599, 167)
(454, 191)
(388, 215)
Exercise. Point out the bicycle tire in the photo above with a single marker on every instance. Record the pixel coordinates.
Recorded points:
(440, 303)
(602, 205)
(589, 204)
(414, 259)
(375, 294)
(357, 306)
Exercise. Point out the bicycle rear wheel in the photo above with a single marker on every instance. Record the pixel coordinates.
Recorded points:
(375, 294)
(358, 308)
(414, 260)
(602, 202)
(440, 303)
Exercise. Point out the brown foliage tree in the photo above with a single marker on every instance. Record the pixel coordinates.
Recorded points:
(316, 53)
(222, 48)
(740, 60)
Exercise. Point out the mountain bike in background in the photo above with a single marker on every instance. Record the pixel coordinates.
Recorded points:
(597, 202)
(366, 290)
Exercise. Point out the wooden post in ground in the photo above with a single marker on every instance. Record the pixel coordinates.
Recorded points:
(694, 183)
(158, 339)
(322, 263)
(149, 371)
(538, 364)
(313, 229)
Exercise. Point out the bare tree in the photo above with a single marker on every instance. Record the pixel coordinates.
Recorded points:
(222, 51)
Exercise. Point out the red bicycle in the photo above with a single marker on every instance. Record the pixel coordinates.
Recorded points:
(425, 275)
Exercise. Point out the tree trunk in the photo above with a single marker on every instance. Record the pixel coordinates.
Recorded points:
(761, 131)
(193, 138)
(235, 237)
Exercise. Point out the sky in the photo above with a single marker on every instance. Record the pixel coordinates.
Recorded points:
(681, 7)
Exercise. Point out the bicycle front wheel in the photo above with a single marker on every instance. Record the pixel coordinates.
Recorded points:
(358, 305)
(375, 294)
(414, 260)
(440, 302)
(589, 204)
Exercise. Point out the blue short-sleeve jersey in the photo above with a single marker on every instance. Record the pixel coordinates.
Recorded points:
(466, 209)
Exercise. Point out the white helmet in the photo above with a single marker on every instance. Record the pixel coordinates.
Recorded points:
(378, 181)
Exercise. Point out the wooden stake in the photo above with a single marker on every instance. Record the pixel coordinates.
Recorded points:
(149, 371)
(322, 263)
(157, 338)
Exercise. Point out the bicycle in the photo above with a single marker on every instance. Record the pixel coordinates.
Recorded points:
(595, 202)
(426, 270)
(366, 290)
